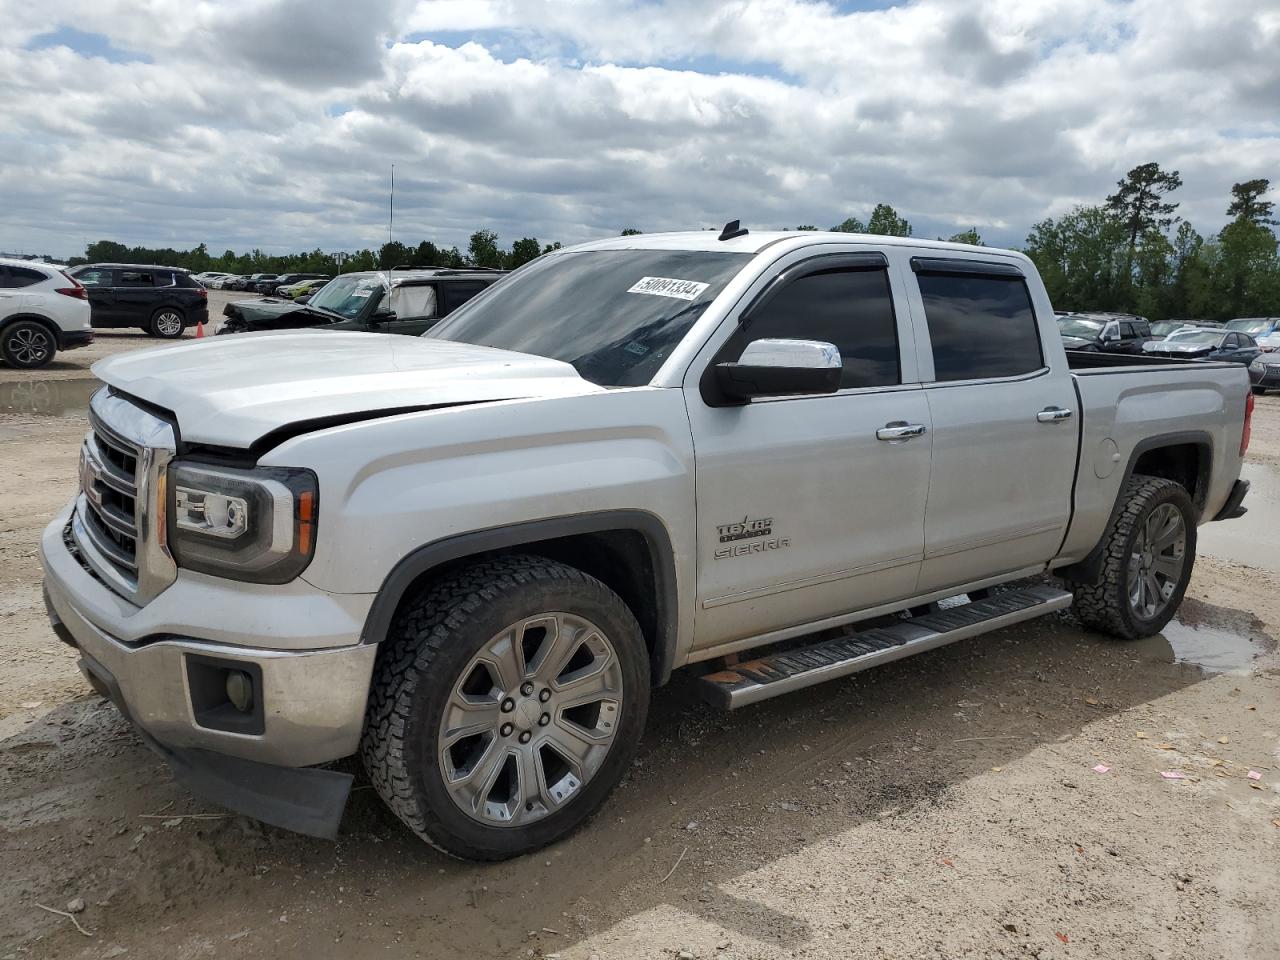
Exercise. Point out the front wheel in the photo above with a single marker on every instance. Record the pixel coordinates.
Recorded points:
(166, 323)
(506, 705)
(27, 345)
(1149, 551)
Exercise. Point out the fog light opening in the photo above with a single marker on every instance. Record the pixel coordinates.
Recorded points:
(240, 690)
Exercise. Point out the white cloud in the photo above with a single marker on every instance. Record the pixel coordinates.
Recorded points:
(274, 124)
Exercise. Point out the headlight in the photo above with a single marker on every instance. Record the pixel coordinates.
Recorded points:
(257, 525)
(1258, 365)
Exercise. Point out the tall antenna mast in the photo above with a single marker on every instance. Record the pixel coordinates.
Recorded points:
(391, 217)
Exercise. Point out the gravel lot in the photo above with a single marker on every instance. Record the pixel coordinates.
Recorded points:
(944, 805)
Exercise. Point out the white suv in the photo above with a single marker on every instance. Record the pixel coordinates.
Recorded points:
(42, 311)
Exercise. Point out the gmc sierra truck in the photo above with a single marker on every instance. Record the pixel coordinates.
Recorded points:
(770, 459)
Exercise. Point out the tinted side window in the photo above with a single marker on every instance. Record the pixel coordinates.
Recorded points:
(1143, 328)
(458, 292)
(94, 278)
(134, 278)
(980, 326)
(1127, 331)
(12, 277)
(162, 278)
(852, 309)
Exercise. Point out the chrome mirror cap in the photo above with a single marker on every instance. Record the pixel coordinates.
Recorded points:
(791, 354)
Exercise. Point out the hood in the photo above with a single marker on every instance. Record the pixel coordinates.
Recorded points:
(1165, 346)
(1077, 343)
(261, 312)
(233, 391)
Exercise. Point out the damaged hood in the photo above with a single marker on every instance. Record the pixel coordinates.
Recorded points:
(232, 391)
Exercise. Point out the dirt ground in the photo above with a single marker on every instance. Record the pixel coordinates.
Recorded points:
(942, 806)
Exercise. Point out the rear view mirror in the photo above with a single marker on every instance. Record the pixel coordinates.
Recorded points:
(381, 316)
(781, 368)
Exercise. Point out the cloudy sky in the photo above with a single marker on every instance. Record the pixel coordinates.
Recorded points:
(274, 123)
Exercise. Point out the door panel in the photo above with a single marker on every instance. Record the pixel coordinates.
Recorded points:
(1005, 428)
(802, 512)
(1000, 489)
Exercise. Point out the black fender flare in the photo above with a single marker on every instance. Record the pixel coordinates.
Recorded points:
(1089, 568)
(440, 553)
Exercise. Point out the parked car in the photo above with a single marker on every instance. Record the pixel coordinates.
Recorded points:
(1202, 344)
(1268, 342)
(207, 278)
(468, 557)
(1106, 333)
(1255, 326)
(301, 289)
(1162, 328)
(393, 301)
(1264, 371)
(42, 311)
(258, 283)
(269, 287)
(163, 301)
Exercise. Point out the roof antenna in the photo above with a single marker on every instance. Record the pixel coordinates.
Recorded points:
(731, 230)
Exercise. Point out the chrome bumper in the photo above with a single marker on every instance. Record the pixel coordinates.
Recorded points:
(312, 700)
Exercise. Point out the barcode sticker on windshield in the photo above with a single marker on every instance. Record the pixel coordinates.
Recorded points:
(667, 287)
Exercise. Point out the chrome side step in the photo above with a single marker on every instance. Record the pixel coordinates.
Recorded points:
(756, 680)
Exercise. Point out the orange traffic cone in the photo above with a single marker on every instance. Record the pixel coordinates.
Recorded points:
(199, 329)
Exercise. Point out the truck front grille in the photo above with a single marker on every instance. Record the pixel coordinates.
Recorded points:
(118, 520)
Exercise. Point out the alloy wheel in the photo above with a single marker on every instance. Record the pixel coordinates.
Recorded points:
(29, 346)
(531, 719)
(1157, 560)
(169, 324)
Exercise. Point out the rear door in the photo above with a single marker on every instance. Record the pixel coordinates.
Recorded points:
(811, 507)
(135, 295)
(457, 292)
(1004, 434)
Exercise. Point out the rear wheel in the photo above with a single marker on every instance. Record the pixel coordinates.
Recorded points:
(1149, 551)
(506, 705)
(27, 344)
(167, 323)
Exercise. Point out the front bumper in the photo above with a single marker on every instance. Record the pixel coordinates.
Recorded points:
(1268, 378)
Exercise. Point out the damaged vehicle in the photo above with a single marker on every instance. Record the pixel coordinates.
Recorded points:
(766, 459)
(408, 301)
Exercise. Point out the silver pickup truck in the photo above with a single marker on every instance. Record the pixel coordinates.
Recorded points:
(468, 557)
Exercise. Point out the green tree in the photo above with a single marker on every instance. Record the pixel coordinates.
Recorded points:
(393, 254)
(1247, 203)
(631, 232)
(1139, 203)
(483, 248)
(107, 251)
(524, 250)
(970, 236)
(1080, 258)
(850, 225)
(886, 222)
(427, 254)
(551, 246)
(1246, 274)
(806, 226)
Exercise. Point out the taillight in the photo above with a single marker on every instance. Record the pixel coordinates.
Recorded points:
(204, 294)
(1248, 423)
(76, 289)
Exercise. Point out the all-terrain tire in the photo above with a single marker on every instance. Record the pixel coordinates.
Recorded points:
(1105, 606)
(429, 645)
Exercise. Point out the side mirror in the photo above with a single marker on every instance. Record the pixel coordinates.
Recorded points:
(781, 368)
(381, 316)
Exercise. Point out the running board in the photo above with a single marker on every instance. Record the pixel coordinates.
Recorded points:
(756, 680)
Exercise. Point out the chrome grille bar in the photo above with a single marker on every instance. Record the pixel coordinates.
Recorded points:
(119, 518)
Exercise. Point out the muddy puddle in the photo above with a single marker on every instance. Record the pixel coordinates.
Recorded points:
(47, 398)
(1253, 539)
(1215, 648)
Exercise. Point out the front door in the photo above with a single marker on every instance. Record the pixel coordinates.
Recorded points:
(812, 507)
(416, 306)
(1004, 425)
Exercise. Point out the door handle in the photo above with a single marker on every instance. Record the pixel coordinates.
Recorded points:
(1053, 415)
(899, 430)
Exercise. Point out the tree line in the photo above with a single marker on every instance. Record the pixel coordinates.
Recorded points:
(1130, 253)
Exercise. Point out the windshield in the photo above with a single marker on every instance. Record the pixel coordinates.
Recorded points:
(1195, 336)
(349, 295)
(1161, 327)
(1077, 327)
(616, 315)
(1254, 326)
